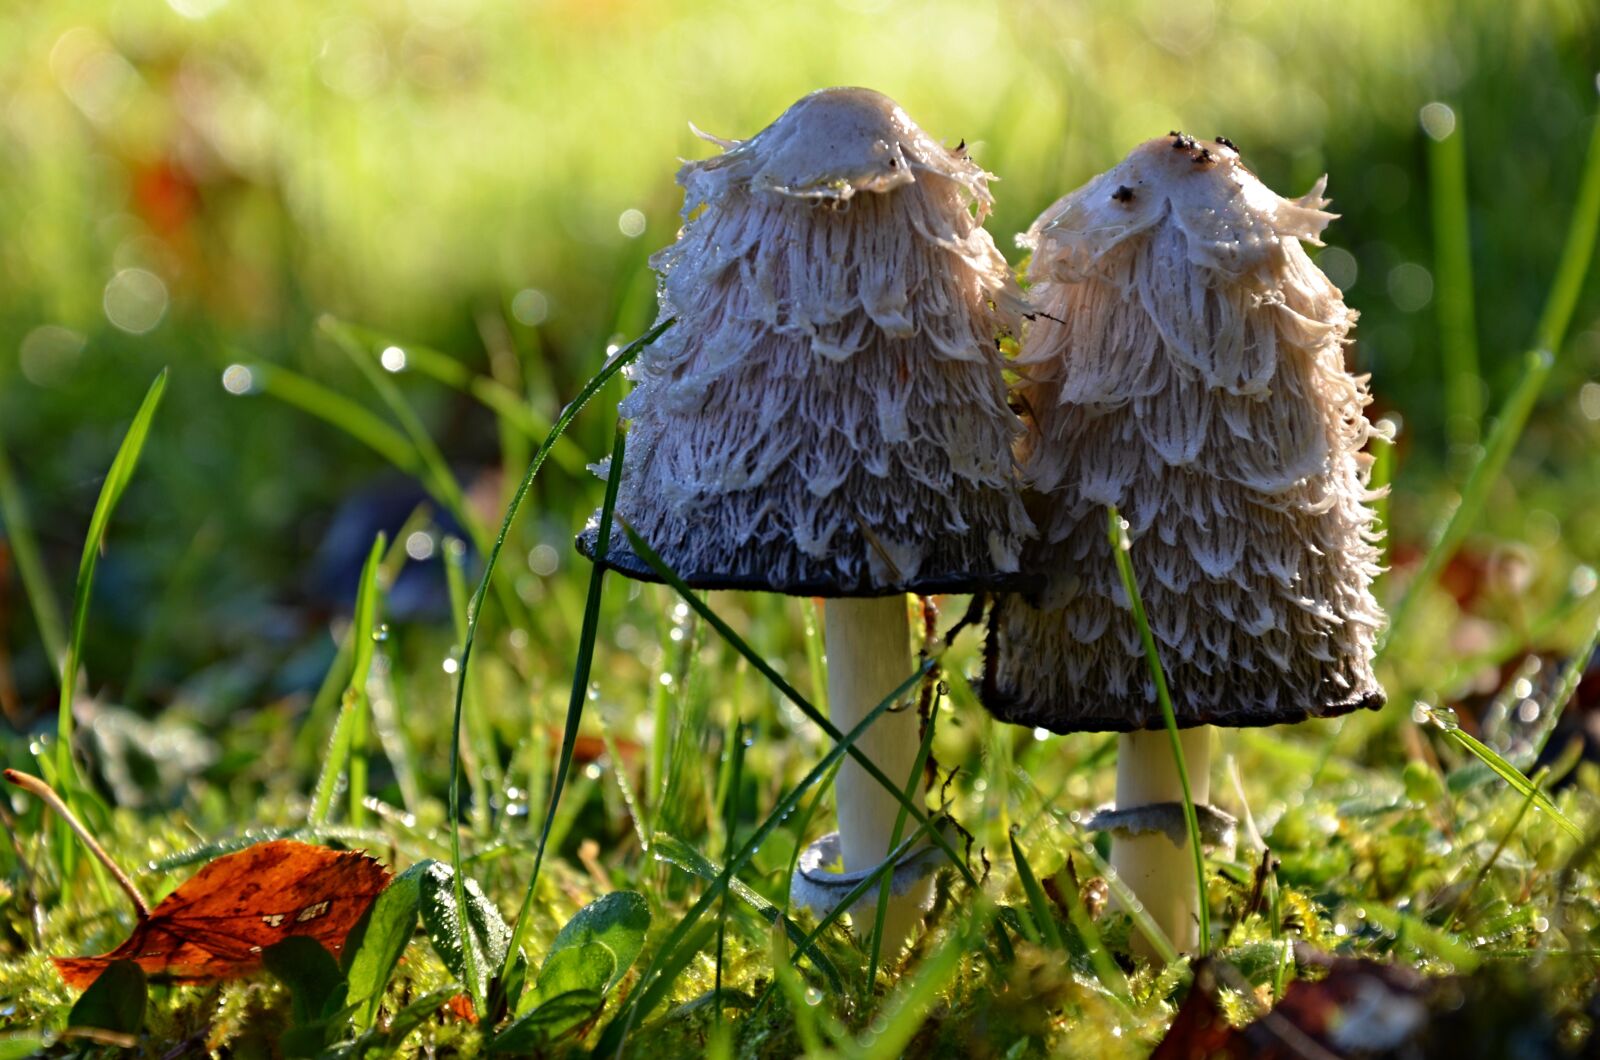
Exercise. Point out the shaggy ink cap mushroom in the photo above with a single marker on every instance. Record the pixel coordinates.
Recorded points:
(829, 415)
(1187, 365)
(829, 418)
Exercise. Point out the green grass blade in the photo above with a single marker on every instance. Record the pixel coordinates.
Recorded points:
(475, 609)
(342, 743)
(25, 548)
(1506, 772)
(1576, 254)
(1120, 546)
(646, 553)
(1452, 266)
(122, 468)
(884, 889)
(578, 696)
(907, 1008)
(352, 418)
(1038, 903)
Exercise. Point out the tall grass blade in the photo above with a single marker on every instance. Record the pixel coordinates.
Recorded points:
(343, 742)
(1452, 266)
(579, 694)
(117, 478)
(475, 609)
(1120, 546)
(1576, 253)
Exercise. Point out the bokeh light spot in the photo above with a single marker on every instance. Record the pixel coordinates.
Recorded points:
(237, 379)
(48, 354)
(1438, 120)
(393, 359)
(530, 306)
(631, 223)
(135, 300)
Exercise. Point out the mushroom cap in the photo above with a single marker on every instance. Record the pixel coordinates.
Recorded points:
(1232, 222)
(1187, 366)
(832, 144)
(829, 415)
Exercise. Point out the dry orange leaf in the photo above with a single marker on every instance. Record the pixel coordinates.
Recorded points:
(215, 925)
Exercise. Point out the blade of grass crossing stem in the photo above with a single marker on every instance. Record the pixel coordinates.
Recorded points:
(616, 1032)
(580, 690)
(1576, 255)
(116, 481)
(880, 872)
(1120, 547)
(881, 913)
(621, 360)
(648, 554)
(1511, 775)
(1130, 903)
(1452, 264)
(25, 547)
(341, 745)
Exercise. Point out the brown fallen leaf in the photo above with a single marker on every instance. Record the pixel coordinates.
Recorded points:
(215, 925)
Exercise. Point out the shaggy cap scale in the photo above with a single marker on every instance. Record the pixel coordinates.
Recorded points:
(829, 416)
(1187, 365)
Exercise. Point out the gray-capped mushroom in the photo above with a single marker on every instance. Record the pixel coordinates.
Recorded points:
(1186, 365)
(828, 417)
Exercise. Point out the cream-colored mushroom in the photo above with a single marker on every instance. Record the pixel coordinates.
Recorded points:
(829, 417)
(1186, 364)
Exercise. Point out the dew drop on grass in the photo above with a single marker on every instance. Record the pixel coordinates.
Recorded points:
(381, 634)
(813, 996)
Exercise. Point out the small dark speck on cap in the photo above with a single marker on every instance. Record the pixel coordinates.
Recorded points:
(1123, 193)
(1204, 158)
(1181, 141)
(1225, 142)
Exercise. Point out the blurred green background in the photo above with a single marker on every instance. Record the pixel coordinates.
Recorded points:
(194, 183)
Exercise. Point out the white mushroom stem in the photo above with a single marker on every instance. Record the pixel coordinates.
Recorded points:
(869, 655)
(1159, 871)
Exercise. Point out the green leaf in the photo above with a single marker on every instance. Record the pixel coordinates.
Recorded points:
(316, 985)
(363, 629)
(589, 967)
(616, 921)
(1043, 917)
(471, 946)
(377, 941)
(559, 1016)
(114, 1002)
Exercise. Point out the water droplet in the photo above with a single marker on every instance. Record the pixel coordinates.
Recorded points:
(813, 996)
(393, 359)
(1541, 924)
(381, 634)
(451, 665)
